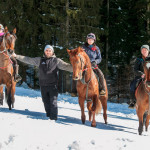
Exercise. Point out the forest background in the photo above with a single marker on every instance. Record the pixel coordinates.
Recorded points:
(121, 27)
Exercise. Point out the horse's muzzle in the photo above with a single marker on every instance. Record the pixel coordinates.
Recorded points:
(76, 78)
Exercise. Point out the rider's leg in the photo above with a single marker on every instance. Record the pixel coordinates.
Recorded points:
(132, 93)
(132, 100)
(17, 77)
(101, 79)
(74, 89)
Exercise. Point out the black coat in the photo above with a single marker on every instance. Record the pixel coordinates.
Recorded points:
(48, 71)
(138, 67)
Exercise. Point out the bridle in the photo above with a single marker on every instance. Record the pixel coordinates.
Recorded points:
(6, 51)
(84, 71)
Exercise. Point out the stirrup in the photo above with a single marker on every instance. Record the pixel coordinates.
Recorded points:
(132, 105)
(17, 78)
(102, 92)
(74, 94)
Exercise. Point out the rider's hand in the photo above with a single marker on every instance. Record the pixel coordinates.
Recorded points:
(143, 75)
(94, 64)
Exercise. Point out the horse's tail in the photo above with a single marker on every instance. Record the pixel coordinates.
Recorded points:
(98, 106)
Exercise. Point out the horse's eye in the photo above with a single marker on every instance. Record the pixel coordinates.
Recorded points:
(77, 61)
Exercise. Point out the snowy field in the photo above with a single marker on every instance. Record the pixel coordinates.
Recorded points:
(26, 127)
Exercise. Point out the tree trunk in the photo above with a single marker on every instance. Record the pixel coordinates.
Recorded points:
(148, 19)
(107, 38)
(67, 24)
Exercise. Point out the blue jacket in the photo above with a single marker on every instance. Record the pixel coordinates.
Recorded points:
(94, 54)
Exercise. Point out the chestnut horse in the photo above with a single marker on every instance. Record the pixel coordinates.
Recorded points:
(143, 98)
(87, 86)
(6, 68)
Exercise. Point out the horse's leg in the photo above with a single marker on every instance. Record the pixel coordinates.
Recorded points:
(89, 107)
(147, 122)
(81, 103)
(103, 100)
(13, 93)
(140, 113)
(90, 115)
(93, 124)
(8, 93)
(1, 95)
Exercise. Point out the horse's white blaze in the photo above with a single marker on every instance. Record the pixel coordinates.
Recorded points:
(148, 65)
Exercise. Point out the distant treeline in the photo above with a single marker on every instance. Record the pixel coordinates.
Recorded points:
(121, 27)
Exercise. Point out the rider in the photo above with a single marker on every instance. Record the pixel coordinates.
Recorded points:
(139, 73)
(17, 77)
(94, 54)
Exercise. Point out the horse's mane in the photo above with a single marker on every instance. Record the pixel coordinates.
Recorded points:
(79, 50)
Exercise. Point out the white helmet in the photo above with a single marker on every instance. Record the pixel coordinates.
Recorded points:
(1, 27)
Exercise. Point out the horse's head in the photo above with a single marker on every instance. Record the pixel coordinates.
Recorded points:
(9, 39)
(146, 66)
(78, 62)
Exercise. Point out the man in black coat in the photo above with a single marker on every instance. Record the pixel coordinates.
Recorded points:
(139, 74)
(48, 69)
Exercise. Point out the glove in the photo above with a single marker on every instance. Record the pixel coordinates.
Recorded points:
(94, 64)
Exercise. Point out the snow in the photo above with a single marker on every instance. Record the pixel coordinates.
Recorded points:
(26, 127)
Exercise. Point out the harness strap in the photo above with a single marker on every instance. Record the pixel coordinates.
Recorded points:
(3, 52)
(87, 87)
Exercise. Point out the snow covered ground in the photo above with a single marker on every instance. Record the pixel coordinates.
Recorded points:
(26, 127)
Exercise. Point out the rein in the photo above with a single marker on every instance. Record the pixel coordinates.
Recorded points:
(83, 78)
(3, 52)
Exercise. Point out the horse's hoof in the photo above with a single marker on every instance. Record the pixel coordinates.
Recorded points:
(93, 125)
(106, 122)
(140, 131)
(83, 122)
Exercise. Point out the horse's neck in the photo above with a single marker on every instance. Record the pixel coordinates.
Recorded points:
(88, 74)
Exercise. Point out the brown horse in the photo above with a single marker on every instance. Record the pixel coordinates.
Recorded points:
(143, 98)
(87, 86)
(6, 69)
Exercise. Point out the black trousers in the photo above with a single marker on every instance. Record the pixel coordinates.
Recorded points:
(49, 98)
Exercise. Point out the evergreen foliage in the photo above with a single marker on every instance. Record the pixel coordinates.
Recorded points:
(65, 24)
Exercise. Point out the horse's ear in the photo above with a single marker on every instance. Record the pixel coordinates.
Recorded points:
(14, 30)
(79, 49)
(6, 29)
(68, 51)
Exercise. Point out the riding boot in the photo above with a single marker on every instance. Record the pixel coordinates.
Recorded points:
(74, 89)
(17, 77)
(132, 100)
(101, 79)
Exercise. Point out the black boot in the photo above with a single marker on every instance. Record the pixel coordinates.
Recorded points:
(132, 101)
(102, 90)
(17, 77)
(74, 89)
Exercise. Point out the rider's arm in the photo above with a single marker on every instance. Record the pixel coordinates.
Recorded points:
(137, 70)
(28, 60)
(98, 59)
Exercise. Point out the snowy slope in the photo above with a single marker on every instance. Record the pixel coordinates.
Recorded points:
(27, 128)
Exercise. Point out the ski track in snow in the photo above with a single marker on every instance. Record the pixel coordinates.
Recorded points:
(26, 127)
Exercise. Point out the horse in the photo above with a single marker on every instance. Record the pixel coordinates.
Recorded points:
(87, 86)
(142, 95)
(6, 68)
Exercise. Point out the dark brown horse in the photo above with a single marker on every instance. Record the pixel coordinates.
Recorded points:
(6, 68)
(87, 86)
(143, 98)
